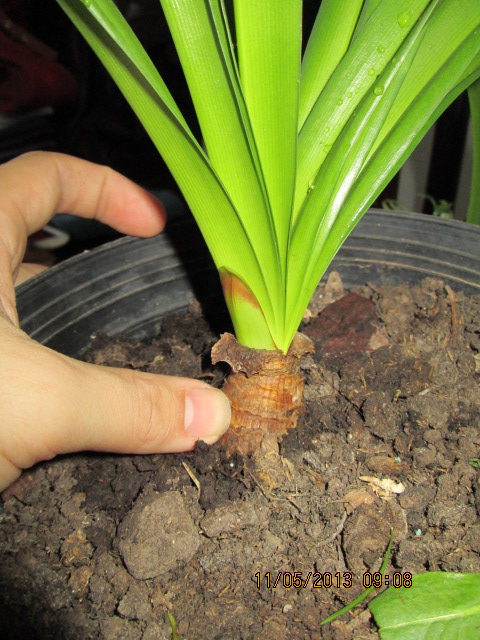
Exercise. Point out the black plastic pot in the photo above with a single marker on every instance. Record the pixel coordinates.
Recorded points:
(128, 285)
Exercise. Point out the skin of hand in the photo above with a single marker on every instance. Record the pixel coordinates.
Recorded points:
(51, 404)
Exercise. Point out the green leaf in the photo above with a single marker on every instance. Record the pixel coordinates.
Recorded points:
(328, 197)
(458, 72)
(451, 25)
(438, 606)
(211, 77)
(364, 594)
(369, 7)
(173, 626)
(202, 42)
(355, 75)
(247, 315)
(293, 160)
(109, 35)
(349, 179)
(269, 51)
(328, 43)
(473, 213)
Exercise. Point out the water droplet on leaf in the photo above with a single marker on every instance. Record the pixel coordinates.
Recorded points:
(378, 90)
(380, 48)
(404, 19)
(371, 71)
(340, 101)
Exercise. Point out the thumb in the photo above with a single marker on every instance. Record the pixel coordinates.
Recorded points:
(133, 412)
(52, 404)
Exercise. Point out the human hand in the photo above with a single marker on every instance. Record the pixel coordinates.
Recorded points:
(49, 403)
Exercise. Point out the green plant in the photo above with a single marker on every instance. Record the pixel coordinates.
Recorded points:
(351, 605)
(473, 213)
(441, 208)
(173, 626)
(296, 150)
(438, 605)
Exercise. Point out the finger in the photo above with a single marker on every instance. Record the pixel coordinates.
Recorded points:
(135, 412)
(37, 185)
(27, 270)
(96, 408)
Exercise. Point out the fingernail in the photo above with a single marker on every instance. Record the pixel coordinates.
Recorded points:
(207, 414)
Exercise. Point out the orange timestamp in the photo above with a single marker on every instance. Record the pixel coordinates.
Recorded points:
(327, 579)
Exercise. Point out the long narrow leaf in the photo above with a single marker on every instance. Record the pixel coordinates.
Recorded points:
(451, 23)
(329, 194)
(457, 74)
(368, 9)
(357, 73)
(391, 155)
(211, 79)
(222, 27)
(211, 82)
(359, 599)
(269, 51)
(328, 43)
(473, 214)
(111, 38)
(396, 148)
(293, 161)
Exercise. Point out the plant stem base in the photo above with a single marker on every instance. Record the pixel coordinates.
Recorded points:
(265, 389)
